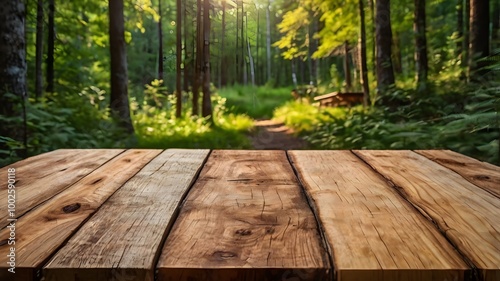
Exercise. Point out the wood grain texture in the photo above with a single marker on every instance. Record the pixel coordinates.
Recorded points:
(122, 240)
(466, 214)
(482, 174)
(374, 234)
(46, 228)
(43, 176)
(245, 218)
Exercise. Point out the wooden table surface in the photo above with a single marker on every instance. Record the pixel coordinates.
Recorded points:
(224, 215)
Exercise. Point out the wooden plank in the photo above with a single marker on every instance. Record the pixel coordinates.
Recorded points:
(466, 214)
(41, 177)
(244, 219)
(123, 238)
(374, 234)
(46, 228)
(482, 174)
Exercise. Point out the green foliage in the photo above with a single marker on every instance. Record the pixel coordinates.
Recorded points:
(157, 127)
(65, 121)
(466, 123)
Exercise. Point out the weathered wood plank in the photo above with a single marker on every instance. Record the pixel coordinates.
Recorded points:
(123, 238)
(374, 234)
(40, 177)
(482, 174)
(466, 214)
(45, 229)
(245, 218)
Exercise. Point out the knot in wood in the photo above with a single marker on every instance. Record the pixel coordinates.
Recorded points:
(243, 232)
(481, 177)
(71, 208)
(223, 255)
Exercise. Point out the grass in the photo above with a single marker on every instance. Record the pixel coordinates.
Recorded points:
(159, 128)
(256, 102)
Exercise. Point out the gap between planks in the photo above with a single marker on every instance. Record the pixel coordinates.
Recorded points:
(46, 228)
(113, 243)
(337, 179)
(465, 213)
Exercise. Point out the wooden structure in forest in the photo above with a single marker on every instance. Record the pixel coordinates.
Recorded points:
(340, 99)
(250, 215)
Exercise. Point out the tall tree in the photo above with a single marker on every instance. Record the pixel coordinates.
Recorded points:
(347, 67)
(119, 102)
(206, 104)
(479, 44)
(383, 37)
(362, 53)
(178, 107)
(198, 78)
(420, 45)
(12, 66)
(222, 65)
(460, 27)
(495, 26)
(189, 47)
(237, 65)
(39, 50)
(50, 48)
(243, 45)
(268, 40)
(466, 40)
(160, 42)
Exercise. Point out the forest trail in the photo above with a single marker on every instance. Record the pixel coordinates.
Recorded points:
(271, 134)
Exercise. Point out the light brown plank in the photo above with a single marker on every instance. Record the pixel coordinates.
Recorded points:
(123, 238)
(46, 228)
(466, 214)
(43, 176)
(374, 234)
(244, 219)
(482, 174)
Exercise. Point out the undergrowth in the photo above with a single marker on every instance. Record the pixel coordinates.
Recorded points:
(466, 122)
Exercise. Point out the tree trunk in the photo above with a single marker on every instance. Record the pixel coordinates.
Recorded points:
(207, 104)
(242, 50)
(420, 45)
(383, 36)
(495, 36)
(294, 74)
(189, 45)
(160, 43)
(257, 48)
(347, 68)
(268, 40)
(250, 57)
(119, 103)
(313, 47)
(460, 28)
(12, 60)
(222, 66)
(50, 48)
(178, 107)
(397, 57)
(198, 62)
(39, 50)
(479, 38)
(362, 54)
(13, 71)
(373, 32)
(466, 40)
(237, 64)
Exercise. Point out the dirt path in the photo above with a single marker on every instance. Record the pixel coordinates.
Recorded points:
(270, 134)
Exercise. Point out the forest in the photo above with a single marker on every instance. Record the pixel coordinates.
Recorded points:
(199, 73)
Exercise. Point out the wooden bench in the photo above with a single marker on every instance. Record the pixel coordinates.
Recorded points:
(179, 215)
(340, 99)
